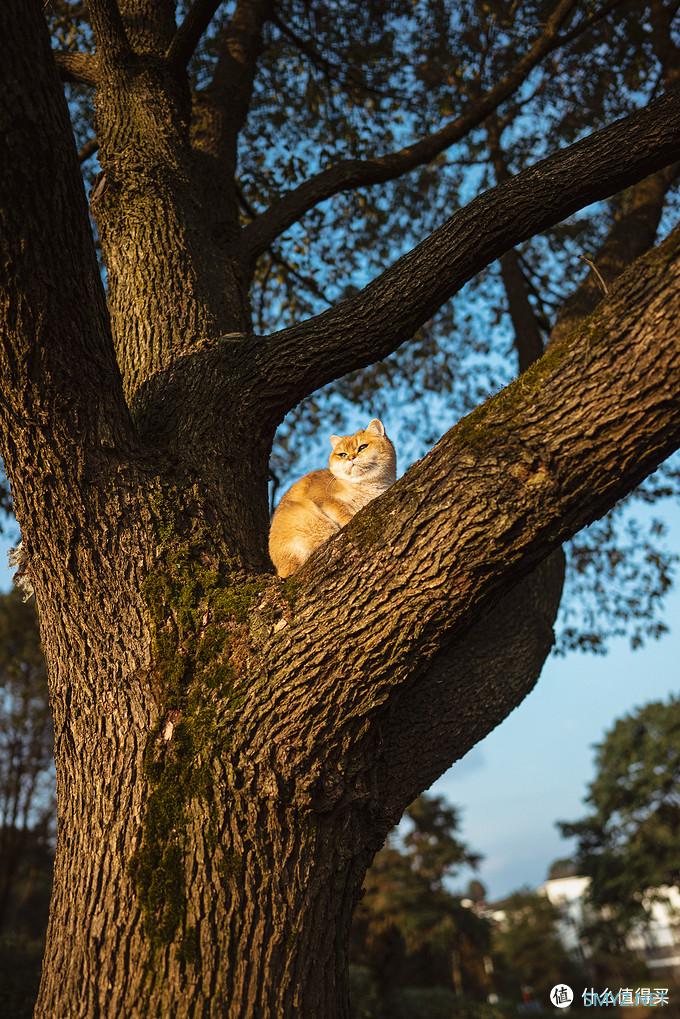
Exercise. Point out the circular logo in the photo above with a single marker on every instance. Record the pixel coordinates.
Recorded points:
(562, 995)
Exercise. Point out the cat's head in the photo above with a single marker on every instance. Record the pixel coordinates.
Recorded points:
(367, 455)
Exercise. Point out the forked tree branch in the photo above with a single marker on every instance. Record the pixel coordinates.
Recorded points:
(588, 22)
(353, 173)
(189, 33)
(80, 68)
(110, 37)
(60, 381)
(227, 98)
(507, 485)
(372, 323)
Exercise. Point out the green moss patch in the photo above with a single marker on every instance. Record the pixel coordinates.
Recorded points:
(197, 606)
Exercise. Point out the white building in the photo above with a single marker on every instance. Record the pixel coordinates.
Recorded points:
(657, 941)
(568, 895)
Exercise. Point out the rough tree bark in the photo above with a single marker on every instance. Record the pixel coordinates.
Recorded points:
(231, 750)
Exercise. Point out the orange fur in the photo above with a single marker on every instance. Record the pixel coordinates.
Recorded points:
(360, 467)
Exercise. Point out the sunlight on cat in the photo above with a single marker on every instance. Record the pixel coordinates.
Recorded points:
(360, 467)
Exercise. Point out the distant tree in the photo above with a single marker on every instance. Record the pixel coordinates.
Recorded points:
(409, 929)
(564, 867)
(476, 891)
(528, 954)
(629, 843)
(26, 761)
(27, 806)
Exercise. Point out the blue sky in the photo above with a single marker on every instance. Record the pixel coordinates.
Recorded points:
(534, 768)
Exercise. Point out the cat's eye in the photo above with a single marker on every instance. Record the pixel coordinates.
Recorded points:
(364, 445)
(343, 455)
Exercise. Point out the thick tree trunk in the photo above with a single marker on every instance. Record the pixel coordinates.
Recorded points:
(251, 919)
(207, 865)
(165, 237)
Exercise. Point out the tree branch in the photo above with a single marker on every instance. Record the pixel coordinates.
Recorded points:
(507, 648)
(87, 150)
(221, 109)
(77, 67)
(62, 405)
(111, 41)
(527, 335)
(372, 323)
(353, 173)
(189, 33)
(512, 481)
(459, 701)
(588, 22)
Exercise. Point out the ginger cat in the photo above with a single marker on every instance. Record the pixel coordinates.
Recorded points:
(361, 467)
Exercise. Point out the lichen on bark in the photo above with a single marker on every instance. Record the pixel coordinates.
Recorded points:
(198, 603)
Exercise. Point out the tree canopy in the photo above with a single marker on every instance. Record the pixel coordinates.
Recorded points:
(628, 842)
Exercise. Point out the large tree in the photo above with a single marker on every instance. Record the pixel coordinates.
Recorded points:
(628, 842)
(231, 750)
(26, 769)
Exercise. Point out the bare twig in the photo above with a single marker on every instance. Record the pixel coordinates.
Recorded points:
(596, 272)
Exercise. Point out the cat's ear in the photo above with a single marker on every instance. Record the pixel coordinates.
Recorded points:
(335, 439)
(375, 427)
